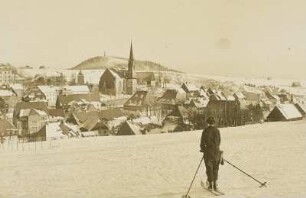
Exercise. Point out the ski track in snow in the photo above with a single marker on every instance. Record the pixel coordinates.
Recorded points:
(159, 165)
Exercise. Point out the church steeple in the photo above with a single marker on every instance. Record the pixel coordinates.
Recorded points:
(131, 67)
(131, 51)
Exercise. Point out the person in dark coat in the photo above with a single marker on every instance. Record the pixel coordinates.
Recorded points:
(210, 146)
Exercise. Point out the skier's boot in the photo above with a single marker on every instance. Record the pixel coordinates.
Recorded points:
(209, 185)
(215, 185)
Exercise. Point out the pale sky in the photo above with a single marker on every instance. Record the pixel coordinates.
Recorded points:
(225, 37)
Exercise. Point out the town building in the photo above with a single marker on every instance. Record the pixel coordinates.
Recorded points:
(31, 121)
(113, 82)
(190, 89)
(7, 129)
(42, 106)
(74, 89)
(178, 120)
(18, 89)
(80, 101)
(8, 74)
(146, 79)
(30, 117)
(50, 131)
(80, 78)
(143, 102)
(284, 112)
(128, 128)
(170, 99)
(131, 81)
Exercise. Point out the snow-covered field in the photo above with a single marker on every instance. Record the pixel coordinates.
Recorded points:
(160, 165)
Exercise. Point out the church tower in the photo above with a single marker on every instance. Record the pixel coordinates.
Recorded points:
(80, 78)
(131, 67)
(131, 81)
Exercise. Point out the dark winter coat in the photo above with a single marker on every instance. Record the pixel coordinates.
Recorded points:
(210, 143)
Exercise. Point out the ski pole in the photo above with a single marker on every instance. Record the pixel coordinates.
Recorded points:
(262, 184)
(187, 196)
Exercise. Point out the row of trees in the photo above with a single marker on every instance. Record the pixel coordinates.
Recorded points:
(231, 116)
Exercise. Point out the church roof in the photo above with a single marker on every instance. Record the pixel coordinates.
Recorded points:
(145, 76)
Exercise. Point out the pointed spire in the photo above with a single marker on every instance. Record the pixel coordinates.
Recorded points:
(131, 67)
(131, 51)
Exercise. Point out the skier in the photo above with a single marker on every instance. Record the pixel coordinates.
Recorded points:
(210, 143)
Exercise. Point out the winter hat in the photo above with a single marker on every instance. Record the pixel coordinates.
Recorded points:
(210, 120)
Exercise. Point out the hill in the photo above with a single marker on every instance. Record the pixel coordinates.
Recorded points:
(103, 62)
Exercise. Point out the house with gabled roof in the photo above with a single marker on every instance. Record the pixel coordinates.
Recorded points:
(228, 95)
(33, 94)
(128, 128)
(202, 93)
(111, 83)
(144, 102)
(50, 131)
(218, 95)
(274, 98)
(31, 121)
(88, 122)
(198, 104)
(50, 93)
(211, 91)
(190, 89)
(171, 98)
(301, 108)
(42, 106)
(79, 117)
(146, 78)
(252, 97)
(103, 122)
(177, 120)
(81, 100)
(8, 100)
(239, 96)
(112, 118)
(284, 112)
(7, 128)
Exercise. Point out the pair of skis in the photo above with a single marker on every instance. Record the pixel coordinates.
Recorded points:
(214, 192)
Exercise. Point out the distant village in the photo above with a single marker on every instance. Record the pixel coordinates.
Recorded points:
(131, 102)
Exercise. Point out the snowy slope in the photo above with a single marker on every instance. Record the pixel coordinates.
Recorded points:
(160, 165)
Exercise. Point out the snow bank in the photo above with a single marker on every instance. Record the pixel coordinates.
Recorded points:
(160, 165)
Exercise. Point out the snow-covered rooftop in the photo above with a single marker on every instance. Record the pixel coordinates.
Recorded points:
(289, 111)
(4, 92)
(76, 89)
(17, 86)
(26, 112)
(48, 89)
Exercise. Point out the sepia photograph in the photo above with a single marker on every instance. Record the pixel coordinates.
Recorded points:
(152, 98)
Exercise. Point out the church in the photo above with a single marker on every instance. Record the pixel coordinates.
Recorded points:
(114, 82)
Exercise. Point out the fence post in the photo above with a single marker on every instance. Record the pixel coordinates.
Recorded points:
(22, 143)
(35, 143)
